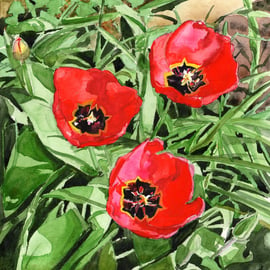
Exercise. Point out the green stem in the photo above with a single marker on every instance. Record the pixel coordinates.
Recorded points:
(91, 150)
(26, 78)
(108, 155)
(98, 40)
(161, 119)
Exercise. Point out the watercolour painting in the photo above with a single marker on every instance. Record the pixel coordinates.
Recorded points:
(134, 135)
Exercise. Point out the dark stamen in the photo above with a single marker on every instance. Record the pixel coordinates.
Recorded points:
(185, 78)
(140, 199)
(89, 120)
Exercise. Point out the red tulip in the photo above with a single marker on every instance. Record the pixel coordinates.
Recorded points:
(91, 108)
(193, 65)
(150, 193)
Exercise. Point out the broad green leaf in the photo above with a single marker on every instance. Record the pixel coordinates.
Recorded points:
(162, 264)
(107, 258)
(84, 9)
(15, 9)
(98, 238)
(136, 3)
(210, 263)
(57, 40)
(52, 241)
(81, 194)
(234, 254)
(55, 6)
(149, 249)
(112, 3)
(34, 24)
(245, 227)
(16, 115)
(29, 166)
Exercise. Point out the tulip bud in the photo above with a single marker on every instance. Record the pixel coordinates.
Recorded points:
(20, 49)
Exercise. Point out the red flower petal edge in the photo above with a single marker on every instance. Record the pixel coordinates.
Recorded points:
(193, 65)
(91, 108)
(150, 192)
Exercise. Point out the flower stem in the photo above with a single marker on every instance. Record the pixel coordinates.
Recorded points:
(93, 158)
(161, 119)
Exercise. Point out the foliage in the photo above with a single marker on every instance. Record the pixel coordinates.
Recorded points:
(53, 195)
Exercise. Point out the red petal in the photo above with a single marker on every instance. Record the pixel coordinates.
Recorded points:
(195, 42)
(158, 62)
(221, 76)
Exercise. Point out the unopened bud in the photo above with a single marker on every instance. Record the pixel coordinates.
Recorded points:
(20, 49)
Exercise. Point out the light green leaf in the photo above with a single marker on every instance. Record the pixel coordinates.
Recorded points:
(16, 115)
(234, 254)
(52, 241)
(81, 194)
(245, 227)
(210, 263)
(29, 166)
(149, 249)
(15, 9)
(117, 44)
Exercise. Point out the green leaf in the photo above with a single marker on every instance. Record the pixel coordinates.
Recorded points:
(163, 264)
(245, 227)
(136, 3)
(29, 167)
(132, 18)
(53, 43)
(117, 44)
(52, 241)
(107, 258)
(159, 3)
(15, 9)
(202, 242)
(54, 6)
(149, 249)
(234, 254)
(81, 194)
(98, 238)
(16, 115)
(84, 9)
(34, 24)
(210, 263)
(233, 113)
(112, 3)
(149, 106)
(259, 203)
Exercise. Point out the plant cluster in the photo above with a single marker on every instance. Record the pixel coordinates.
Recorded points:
(119, 146)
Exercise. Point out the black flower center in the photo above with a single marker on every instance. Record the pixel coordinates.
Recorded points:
(184, 77)
(89, 120)
(140, 199)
